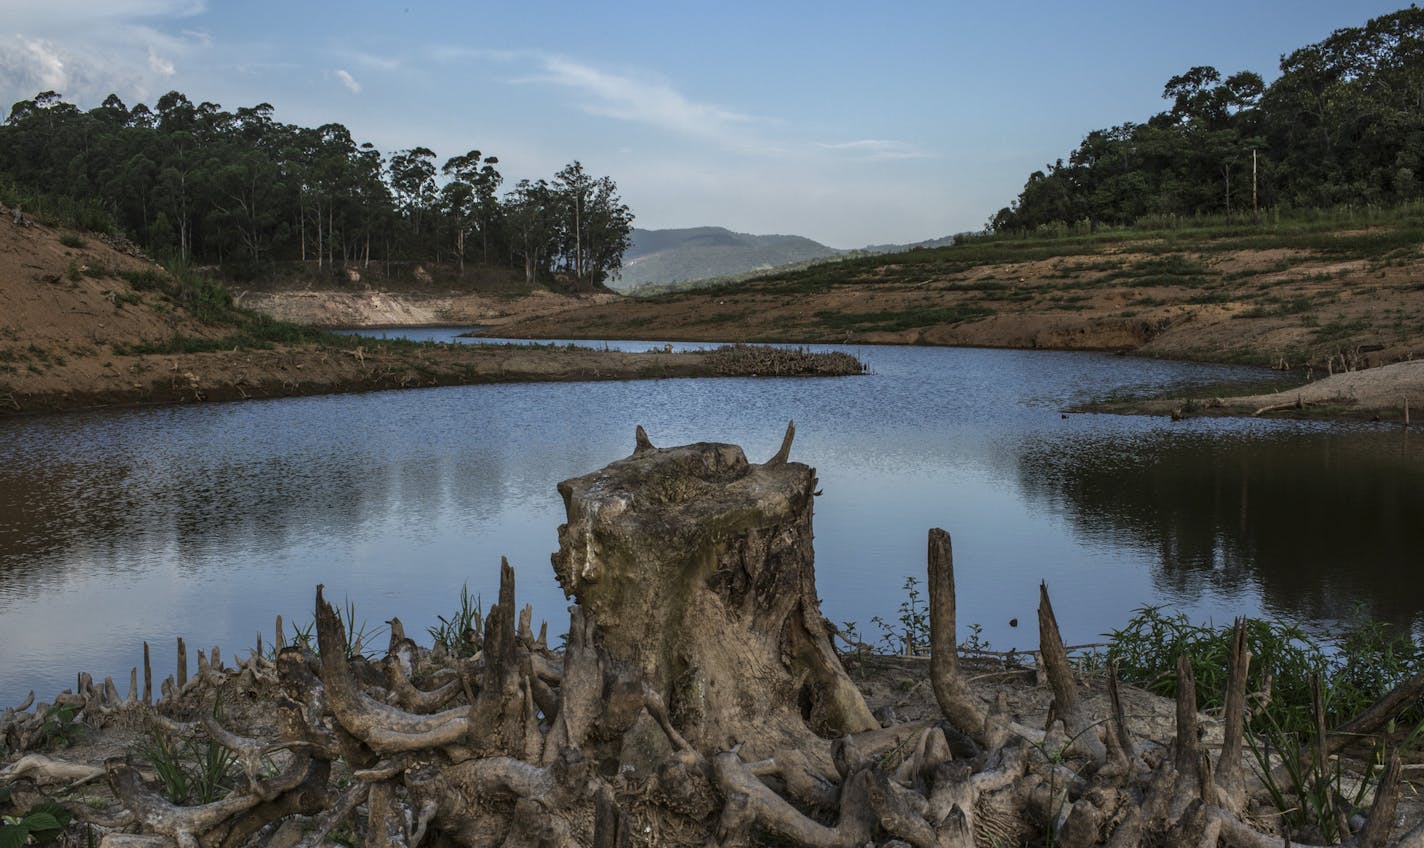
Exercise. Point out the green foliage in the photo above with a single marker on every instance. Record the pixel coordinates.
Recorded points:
(42, 825)
(450, 632)
(60, 727)
(73, 240)
(1310, 799)
(198, 184)
(912, 636)
(191, 771)
(1371, 659)
(975, 642)
(305, 635)
(1341, 125)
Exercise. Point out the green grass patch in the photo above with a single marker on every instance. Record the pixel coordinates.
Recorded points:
(1370, 659)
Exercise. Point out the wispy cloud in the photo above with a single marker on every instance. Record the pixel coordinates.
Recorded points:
(202, 38)
(27, 15)
(380, 63)
(349, 81)
(876, 149)
(634, 99)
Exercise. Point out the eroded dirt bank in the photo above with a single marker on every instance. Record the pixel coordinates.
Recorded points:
(316, 369)
(327, 308)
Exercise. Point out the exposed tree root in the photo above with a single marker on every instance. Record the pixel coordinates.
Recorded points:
(697, 702)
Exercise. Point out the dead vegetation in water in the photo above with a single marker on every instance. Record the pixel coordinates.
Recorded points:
(696, 700)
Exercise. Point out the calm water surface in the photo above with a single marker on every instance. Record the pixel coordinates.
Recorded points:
(206, 521)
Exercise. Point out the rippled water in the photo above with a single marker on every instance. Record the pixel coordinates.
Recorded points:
(206, 521)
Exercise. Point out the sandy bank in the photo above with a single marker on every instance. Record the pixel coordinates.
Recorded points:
(1380, 394)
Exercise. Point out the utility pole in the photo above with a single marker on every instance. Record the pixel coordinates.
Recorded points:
(1255, 212)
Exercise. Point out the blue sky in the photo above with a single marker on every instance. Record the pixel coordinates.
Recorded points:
(850, 123)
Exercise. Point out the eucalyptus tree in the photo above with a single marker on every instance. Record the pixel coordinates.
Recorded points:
(468, 198)
(412, 180)
(531, 218)
(595, 226)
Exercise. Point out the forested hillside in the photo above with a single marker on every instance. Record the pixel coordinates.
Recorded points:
(1343, 124)
(241, 190)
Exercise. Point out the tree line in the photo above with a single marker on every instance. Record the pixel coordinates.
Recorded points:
(1344, 123)
(244, 191)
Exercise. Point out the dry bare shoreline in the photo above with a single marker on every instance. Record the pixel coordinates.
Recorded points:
(91, 382)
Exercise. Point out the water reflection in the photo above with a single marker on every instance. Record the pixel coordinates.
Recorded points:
(206, 521)
(1316, 521)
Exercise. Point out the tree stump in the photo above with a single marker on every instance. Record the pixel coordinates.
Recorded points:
(697, 568)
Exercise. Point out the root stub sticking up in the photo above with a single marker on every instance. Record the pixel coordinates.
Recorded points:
(698, 701)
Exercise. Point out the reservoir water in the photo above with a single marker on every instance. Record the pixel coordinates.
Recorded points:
(206, 521)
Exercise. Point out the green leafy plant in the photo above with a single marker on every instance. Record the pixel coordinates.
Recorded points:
(975, 641)
(42, 825)
(913, 632)
(39, 825)
(60, 726)
(72, 240)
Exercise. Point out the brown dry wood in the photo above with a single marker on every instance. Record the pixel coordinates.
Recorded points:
(1377, 715)
(385, 824)
(384, 728)
(1188, 742)
(1382, 811)
(697, 568)
(1233, 717)
(186, 825)
(406, 694)
(1082, 730)
(757, 803)
(956, 700)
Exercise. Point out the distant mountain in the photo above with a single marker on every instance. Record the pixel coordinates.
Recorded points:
(699, 253)
(944, 241)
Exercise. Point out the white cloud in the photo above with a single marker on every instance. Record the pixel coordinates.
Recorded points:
(159, 65)
(872, 148)
(380, 63)
(86, 50)
(36, 63)
(349, 81)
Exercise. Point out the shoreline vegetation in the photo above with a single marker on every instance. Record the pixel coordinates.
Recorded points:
(1313, 745)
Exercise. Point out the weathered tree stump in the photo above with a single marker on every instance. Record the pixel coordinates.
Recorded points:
(697, 568)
